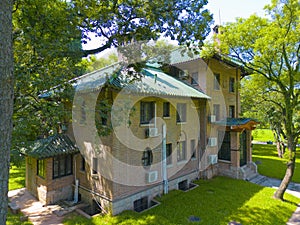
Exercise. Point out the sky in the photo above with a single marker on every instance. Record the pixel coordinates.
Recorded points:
(223, 11)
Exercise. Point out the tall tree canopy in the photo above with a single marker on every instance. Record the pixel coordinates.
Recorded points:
(270, 48)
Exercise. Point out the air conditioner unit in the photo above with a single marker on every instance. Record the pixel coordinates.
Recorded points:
(212, 118)
(212, 159)
(212, 142)
(151, 176)
(152, 132)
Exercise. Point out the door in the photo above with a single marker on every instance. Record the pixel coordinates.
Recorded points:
(243, 148)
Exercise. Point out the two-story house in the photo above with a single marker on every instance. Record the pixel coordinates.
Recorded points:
(131, 140)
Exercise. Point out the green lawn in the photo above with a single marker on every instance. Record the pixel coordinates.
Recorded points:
(17, 177)
(262, 135)
(216, 201)
(269, 164)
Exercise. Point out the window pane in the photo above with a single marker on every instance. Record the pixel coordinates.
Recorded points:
(147, 112)
(224, 152)
(166, 109)
(55, 167)
(231, 111)
(217, 81)
(181, 151)
(193, 149)
(216, 111)
(62, 166)
(194, 78)
(82, 167)
(181, 112)
(169, 153)
(41, 168)
(95, 165)
(147, 157)
(231, 84)
(68, 164)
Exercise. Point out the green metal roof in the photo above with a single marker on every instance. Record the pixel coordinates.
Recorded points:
(235, 121)
(56, 145)
(155, 82)
(152, 82)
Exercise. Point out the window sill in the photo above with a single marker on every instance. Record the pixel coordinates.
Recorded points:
(146, 124)
(181, 123)
(224, 161)
(166, 117)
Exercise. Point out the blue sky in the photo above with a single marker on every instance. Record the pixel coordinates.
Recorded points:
(222, 10)
(231, 9)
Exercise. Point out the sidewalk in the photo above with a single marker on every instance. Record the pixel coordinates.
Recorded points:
(293, 189)
(33, 209)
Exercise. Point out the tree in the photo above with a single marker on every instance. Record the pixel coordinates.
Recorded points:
(120, 22)
(6, 100)
(270, 48)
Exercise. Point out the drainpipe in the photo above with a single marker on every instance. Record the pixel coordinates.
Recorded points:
(164, 160)
(76, 184)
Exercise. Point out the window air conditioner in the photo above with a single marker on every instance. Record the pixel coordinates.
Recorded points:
(151, 176)
(151, 132)
(212, 142)
(212, 159)
(212, 118)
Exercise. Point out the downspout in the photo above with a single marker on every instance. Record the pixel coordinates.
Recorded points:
(164, 160)
(76, 183)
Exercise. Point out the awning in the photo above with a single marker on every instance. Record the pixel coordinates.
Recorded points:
(55, 145)
(238, 124)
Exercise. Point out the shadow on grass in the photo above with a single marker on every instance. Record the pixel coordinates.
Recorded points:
(216, 201)
(14, 219)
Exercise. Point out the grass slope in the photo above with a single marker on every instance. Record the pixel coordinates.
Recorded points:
(263, 135)
(269, 164)
(216, 201)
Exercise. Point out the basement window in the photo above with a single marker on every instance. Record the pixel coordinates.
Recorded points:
(140, 204)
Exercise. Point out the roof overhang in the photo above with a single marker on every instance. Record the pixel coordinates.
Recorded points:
(238, 124)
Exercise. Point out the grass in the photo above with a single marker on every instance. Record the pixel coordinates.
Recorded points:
(270, 164)
(17, 177)
(216, 201)
(262, 135)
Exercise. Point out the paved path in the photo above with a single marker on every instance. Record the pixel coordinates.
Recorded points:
(293, 189)
(31, 207)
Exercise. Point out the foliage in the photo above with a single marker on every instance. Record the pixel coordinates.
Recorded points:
(98, 63)
(14, 219)
(270, 48)
(269, 164)
(214, 201)
(120, 22)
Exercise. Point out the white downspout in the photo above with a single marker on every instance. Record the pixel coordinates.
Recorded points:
(164, 160)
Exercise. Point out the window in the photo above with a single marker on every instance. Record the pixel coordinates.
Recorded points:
(224, 152)
(169, 154)
(166, 109)
(62, 166)
(95, 165)
(181, 112)
(216, 111)
(147, 157)
(216, 81)
(82, 164)
(41, 167)
(193, 149)
(194, 80)
(231, 112)
(147, 112)
(140, 204)
(181, 151)
(231, 84)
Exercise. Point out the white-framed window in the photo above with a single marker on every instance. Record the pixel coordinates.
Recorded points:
(181, 151)
(193, 149)
(166, 109)
(147, 112)
(181, 112)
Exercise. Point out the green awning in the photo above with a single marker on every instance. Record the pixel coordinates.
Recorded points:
(52, 146)
(238, 124)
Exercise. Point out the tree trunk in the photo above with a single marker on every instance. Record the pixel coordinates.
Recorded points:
(6, 101)
(288, 173)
